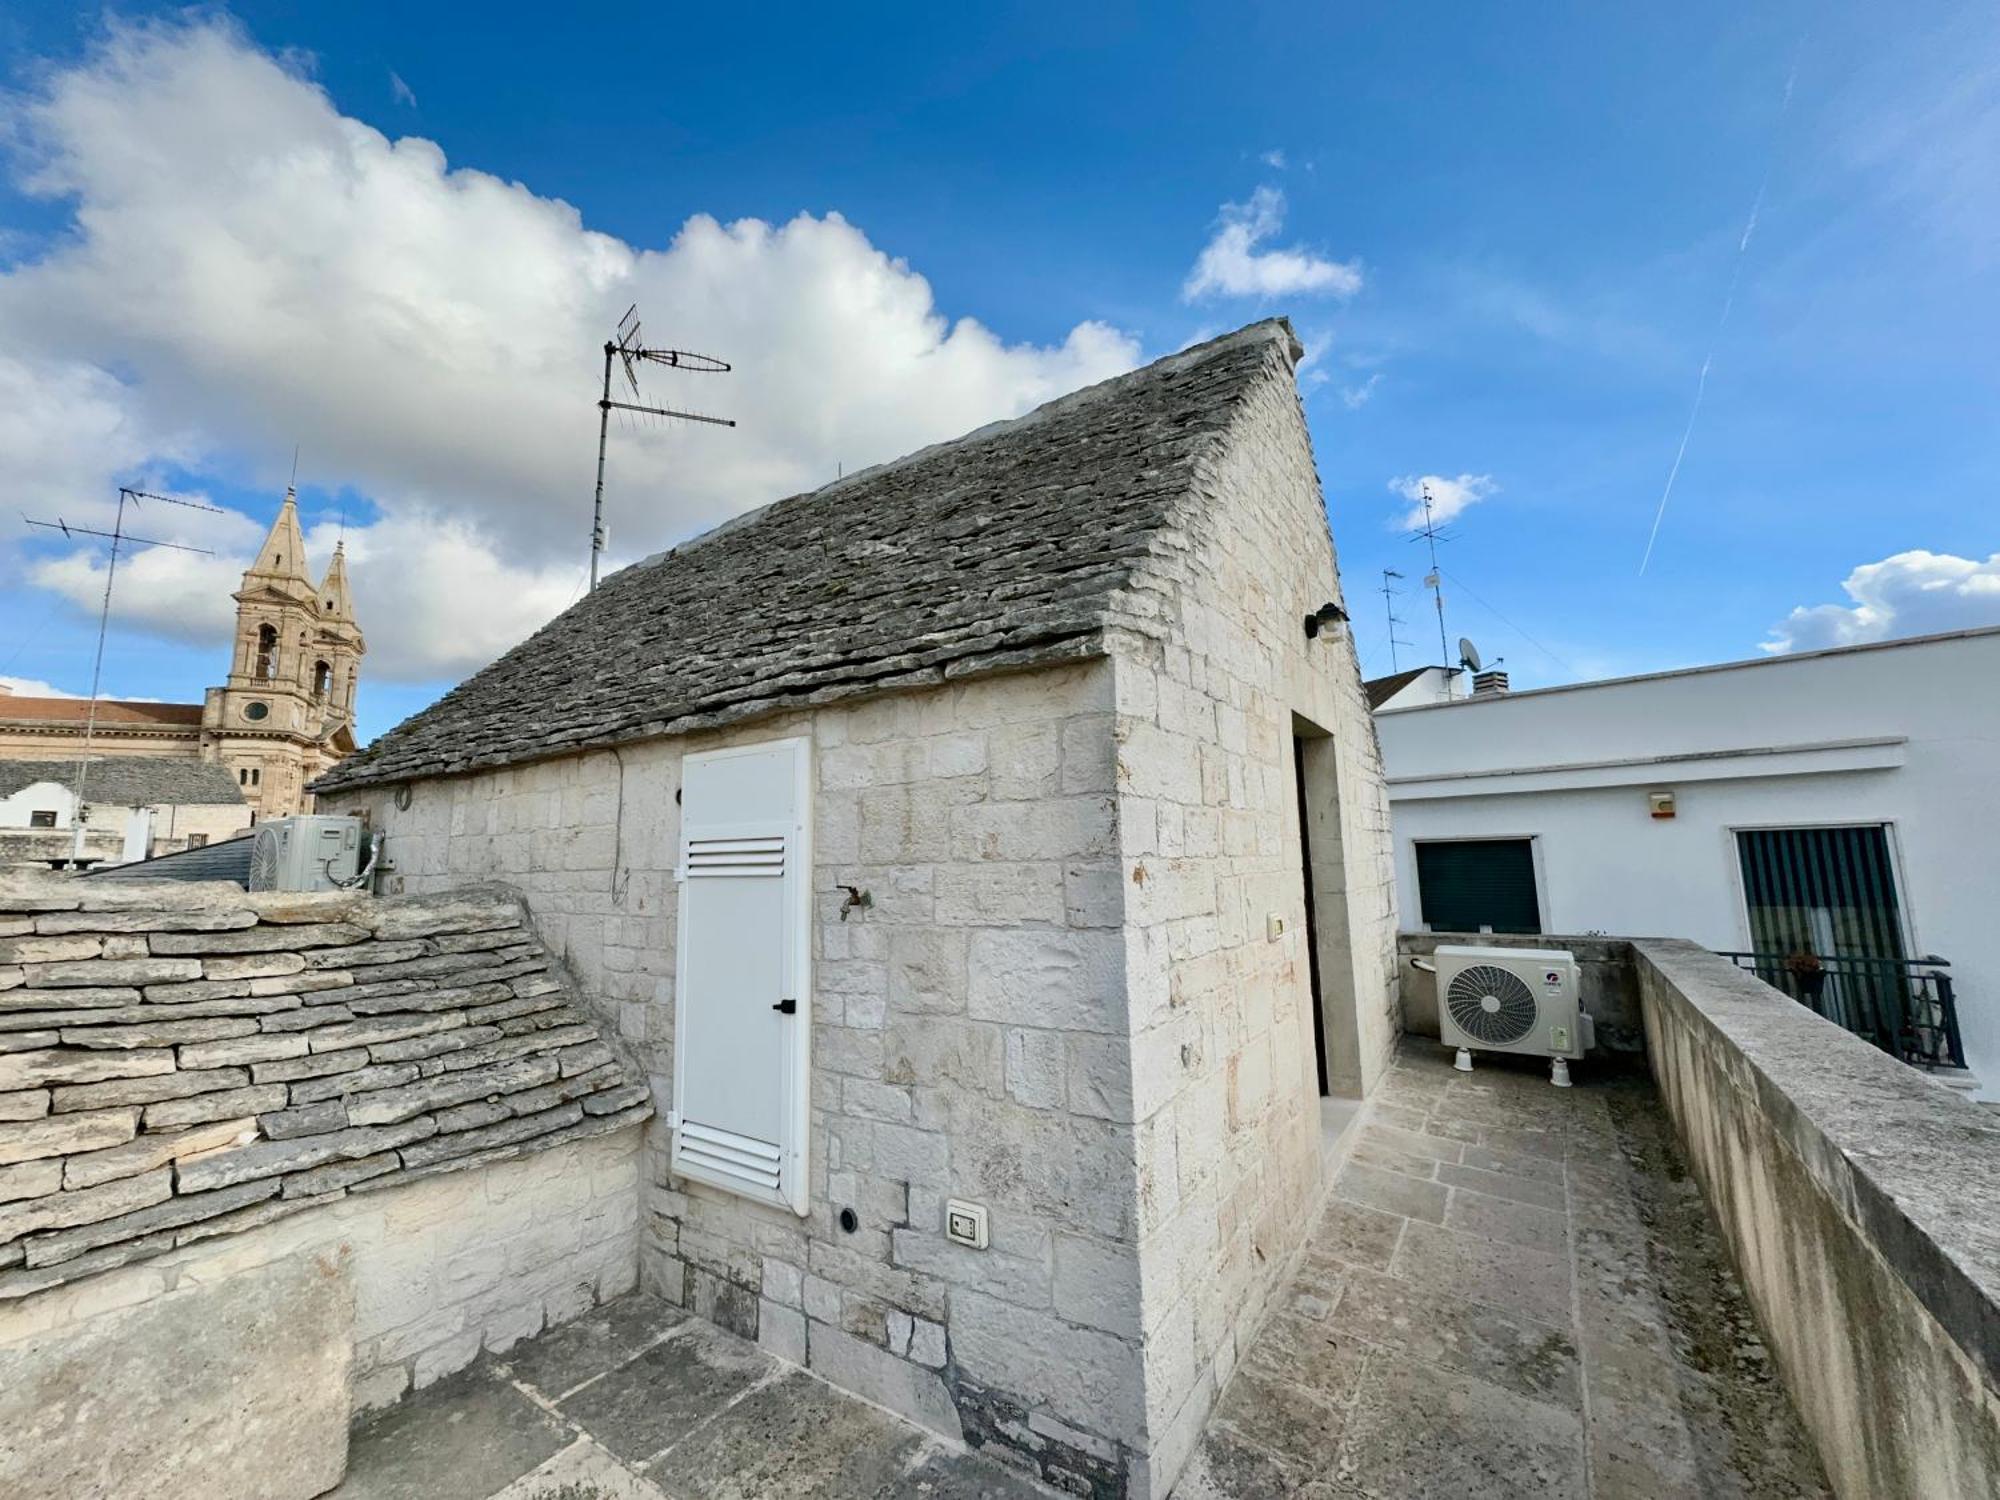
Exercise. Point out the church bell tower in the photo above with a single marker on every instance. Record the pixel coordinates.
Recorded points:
(286, 714)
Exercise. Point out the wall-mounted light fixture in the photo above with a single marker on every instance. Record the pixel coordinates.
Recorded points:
(1325, 615)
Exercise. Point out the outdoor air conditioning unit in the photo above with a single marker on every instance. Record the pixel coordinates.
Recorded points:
(1512, 1000)
(305, 854)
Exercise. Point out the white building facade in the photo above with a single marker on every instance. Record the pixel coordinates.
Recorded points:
(1837, 811)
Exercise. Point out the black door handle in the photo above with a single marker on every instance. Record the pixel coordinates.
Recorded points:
(787, 1007)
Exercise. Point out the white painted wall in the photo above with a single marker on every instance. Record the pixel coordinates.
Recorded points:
(171, 827)
(1906, 733)
(40, 796)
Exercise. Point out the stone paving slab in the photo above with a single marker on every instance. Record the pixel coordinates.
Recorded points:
(639, 1401)
(1514, 1290)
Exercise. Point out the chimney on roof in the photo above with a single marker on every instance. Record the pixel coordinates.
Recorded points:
(1491, 683)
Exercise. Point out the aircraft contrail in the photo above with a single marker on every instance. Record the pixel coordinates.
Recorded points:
(1722, 322)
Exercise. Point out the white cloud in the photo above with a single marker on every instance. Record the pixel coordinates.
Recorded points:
(1354, 397)
(1231, 265)
(33, 687)
(400, 91)
(455, 603)
(1449, 497)
(247, 268)
(1274, 159)
(1910, 593)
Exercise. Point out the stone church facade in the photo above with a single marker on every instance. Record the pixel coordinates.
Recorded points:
(283, 717)
(1070, 899)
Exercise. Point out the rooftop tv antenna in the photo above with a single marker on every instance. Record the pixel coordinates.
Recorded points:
(1388, 593)
(1433, 533)
(629, 350)
(118, 536)
(1468, 655)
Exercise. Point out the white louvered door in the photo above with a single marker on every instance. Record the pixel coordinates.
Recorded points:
(743, 972)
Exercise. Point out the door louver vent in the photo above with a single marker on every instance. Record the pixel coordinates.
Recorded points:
(736, 857)
(1491, 1005)
(721, 1153)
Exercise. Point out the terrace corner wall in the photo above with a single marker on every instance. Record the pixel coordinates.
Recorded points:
(268, 1159)
(1860, 1205)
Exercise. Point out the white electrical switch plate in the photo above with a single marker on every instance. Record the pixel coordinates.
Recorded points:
(1274, 927)
(965, 1223)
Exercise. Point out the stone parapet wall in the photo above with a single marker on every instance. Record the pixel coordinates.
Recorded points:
(180, 1062)
(229, 1368)
(1860, 1201)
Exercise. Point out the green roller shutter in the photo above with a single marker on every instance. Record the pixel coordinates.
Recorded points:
(1476, 884)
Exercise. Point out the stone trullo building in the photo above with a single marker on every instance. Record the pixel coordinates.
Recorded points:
(285, 714)
(986, 859)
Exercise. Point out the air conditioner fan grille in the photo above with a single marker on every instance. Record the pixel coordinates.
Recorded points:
(1491, 1005)
(264, 860)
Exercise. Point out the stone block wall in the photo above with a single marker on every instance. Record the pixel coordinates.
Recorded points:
(970, 1040)
(1225, 1076)
(180, 1062)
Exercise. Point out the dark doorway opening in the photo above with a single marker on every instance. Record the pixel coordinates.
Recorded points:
(1312, 914)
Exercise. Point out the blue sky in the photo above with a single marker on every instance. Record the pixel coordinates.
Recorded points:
(1507, 236)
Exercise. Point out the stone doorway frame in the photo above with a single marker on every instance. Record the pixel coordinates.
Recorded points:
(1329, 939)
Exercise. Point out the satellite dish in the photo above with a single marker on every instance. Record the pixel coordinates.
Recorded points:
(1468, 654)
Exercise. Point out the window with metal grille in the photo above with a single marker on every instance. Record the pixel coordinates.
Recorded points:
(1826, 924)
(1829, 892)
(41, 819)
(1478, 885)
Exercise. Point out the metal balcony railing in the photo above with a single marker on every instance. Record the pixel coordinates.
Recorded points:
(1904, 1006)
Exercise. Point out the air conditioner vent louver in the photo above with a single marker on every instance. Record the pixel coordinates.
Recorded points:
(1491, 1005)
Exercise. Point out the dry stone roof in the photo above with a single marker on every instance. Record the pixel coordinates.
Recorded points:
(1015, 545)
(131, 780)
(182, 1061)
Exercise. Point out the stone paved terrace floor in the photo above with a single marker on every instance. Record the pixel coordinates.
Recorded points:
(639, 1401)
(1516, 1291)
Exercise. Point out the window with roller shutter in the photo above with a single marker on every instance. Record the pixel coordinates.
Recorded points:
(1478, 885)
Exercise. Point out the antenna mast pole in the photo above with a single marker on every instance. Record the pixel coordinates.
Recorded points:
(1432, 581)
(603, 435)
(116, 535)
(627, 347)
(96, 675)
(1388, 593)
